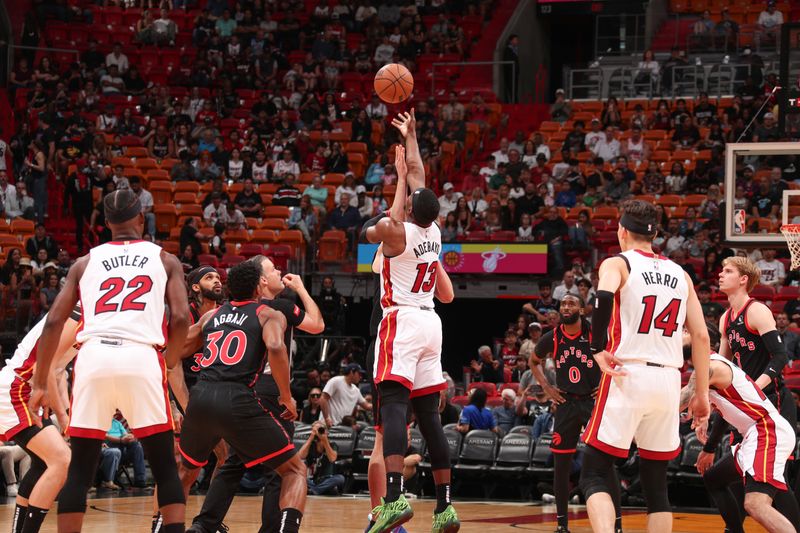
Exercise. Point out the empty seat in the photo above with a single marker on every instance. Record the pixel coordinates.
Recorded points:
(514, 455)
(541, 458)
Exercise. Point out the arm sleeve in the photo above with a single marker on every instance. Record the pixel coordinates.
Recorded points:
(777, 349)
(368, 224)
(718, 429)
(601, 317)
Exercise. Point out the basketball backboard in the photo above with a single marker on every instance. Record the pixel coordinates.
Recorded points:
(742, 225)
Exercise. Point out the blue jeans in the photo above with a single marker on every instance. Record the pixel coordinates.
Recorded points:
(134, 454)
(150, 224)
(326, 485)
(109, 463)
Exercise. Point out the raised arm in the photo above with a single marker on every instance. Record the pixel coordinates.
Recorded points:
(407, 124)
(178, 309)
(398, 210)
(313, 322)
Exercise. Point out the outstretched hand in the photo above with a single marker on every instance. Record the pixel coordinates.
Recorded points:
(400, 162)
(406, 123)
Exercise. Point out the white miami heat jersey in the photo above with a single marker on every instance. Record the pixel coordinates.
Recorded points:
(649, 311)
(410, 278)
(122, 293)
(743, 404)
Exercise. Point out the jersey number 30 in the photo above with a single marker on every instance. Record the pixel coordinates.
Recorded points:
(140, 285)
(223, 351)
(667, 319)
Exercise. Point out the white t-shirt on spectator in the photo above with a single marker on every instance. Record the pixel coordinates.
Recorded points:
(591, 139)
(283, 167)
(353, 196)
(770, 20)
(121, 62)
(445, 205)
(561, 290)
(3, 152)
(343, 398)
(146, 199)
(772, 272)
(376, 111)
(212, 214)
(500, 157)
(606, 150)
(487, 172)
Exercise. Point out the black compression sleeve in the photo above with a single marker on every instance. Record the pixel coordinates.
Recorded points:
(601, 317)
(368, 224)
(718, 429)
(777, 349)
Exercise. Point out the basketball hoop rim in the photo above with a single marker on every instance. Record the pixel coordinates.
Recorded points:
(790, 228)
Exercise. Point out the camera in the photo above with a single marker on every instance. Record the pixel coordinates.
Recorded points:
(321, 431)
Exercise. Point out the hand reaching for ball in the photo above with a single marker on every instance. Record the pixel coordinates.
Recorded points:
(406, 123)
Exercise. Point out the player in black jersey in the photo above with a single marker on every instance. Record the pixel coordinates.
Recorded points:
(577, 378)
(223, 487)
(205, 294)
(751, 340)
(223, 404)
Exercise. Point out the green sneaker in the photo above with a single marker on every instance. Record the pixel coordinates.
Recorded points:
(446, 521)
(392, 515)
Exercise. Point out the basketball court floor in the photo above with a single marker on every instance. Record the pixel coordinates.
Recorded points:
(348, 514)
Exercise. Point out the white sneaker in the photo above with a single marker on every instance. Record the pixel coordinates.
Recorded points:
(11, 489)
(548, 498)
(575, 500)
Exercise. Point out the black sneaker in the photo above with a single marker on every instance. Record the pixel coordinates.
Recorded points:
(157, 523)
(562, 529)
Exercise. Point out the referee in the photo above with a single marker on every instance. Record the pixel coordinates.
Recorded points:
(224, 485)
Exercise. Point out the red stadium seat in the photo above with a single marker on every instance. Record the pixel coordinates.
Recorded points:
(490, 388)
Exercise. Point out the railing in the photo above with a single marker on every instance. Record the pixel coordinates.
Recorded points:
(718, 42)
(329, 349)
(619, 34)
(720, 79)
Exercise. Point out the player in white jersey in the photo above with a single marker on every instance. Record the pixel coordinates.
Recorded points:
(49, 453)
(123, 286)
(643, 301)
(408, 350)
(760, 458)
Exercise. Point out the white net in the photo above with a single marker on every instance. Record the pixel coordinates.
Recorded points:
(792, 234)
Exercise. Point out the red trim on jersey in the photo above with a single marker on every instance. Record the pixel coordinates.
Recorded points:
(97, 434)
(428, 390)
(241, 303)
(562, 451)
(659, 456)
(28, 364)
(593, 427)
(289, 447)
(11, 433)
(123, 243)
(651, 255)
(191, 461)
(615, 327)
(764, 460)
(746, 324)
(386, 274)
(386, 335)
(733, 316)
(399, 379)
(20, 392)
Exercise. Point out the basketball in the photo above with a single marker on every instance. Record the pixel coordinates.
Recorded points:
(394, 83)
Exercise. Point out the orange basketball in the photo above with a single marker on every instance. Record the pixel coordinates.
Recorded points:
(394, 83)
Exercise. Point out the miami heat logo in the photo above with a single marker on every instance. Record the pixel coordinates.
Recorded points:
(491, 259)
(556, 439)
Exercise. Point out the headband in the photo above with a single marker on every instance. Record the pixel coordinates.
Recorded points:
(196, 275)
(124, 214)
(631, 224)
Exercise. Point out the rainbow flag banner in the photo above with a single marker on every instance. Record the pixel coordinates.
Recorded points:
(478, 258)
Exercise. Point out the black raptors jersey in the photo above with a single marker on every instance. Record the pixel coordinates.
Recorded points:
(747, 348)
(294, 317)
(576, 371)
(234, 348)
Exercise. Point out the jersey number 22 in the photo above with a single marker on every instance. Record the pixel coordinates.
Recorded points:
(140, 285)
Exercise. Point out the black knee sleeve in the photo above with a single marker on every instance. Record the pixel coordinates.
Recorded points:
(394, 406)
(160, 452)
(654, 485)
(81, 473)
(597, 472)
(32, 476)
(426, 409)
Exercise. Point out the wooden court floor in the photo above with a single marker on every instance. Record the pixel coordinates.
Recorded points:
(348, 514)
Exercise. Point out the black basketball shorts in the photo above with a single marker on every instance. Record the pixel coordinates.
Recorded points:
(570, 418)
(232, 411)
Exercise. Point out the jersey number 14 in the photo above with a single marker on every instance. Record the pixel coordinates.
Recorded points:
(666, 320)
